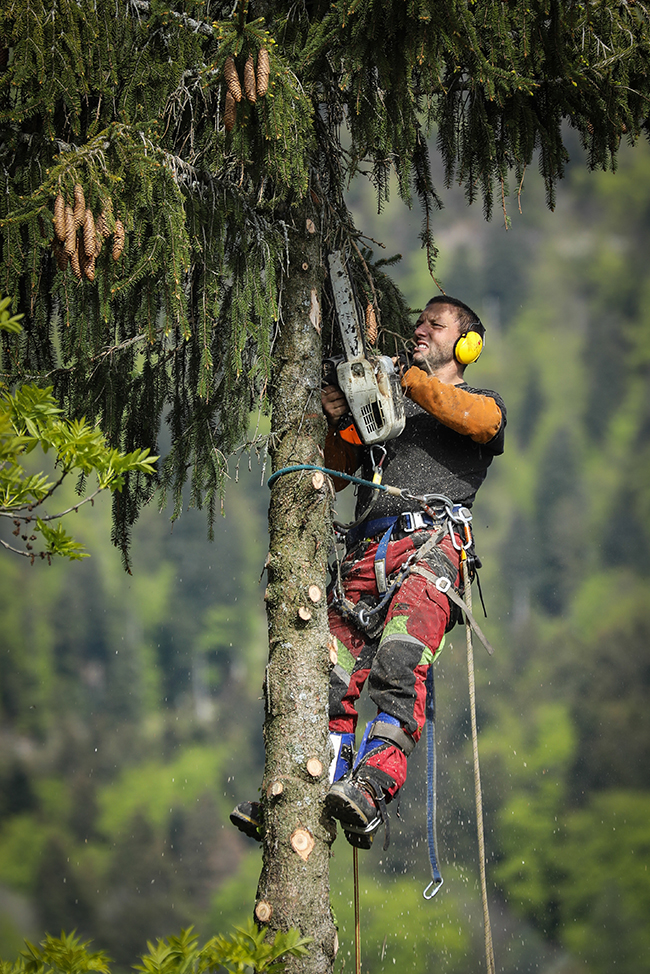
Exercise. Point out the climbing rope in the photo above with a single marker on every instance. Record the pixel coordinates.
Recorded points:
(395, 491)
(489, 950)
(357, 924)
(436, 878)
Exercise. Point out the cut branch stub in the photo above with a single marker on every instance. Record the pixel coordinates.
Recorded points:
(314, 767)
(315, 593)
(264, 911)
(318, 480)
(302, 842)
(275, 789)
(332, 649)
(304, 613)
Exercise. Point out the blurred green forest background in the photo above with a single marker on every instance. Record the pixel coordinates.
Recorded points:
(130, 712)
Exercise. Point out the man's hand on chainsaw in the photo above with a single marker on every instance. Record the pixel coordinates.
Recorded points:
(335, 405)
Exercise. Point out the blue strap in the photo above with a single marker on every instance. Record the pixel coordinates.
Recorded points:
(430, 710)
(368, 529)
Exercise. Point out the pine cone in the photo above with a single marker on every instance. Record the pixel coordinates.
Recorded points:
(75, 263)
(372, 328)
(118, 240)
(250, 85)
(102, 225)
(59, 218)
(230, 113)
(263, 72)
(60, 254)
(232, 78)
(79, 205)
(90, 242)
(70, 231)
(89, 267)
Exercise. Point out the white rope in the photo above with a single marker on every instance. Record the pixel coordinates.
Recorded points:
(489, 950)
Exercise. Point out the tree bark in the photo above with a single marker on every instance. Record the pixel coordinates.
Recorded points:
(293, 889)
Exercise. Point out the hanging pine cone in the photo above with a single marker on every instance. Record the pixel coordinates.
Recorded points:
(90, 242)
(232, 78)
(263, 72)
(372, 328)
(250, 85)
(70, 231)
(89, 267)
(75, 263)
(60, 255)
(59, 218)
(230, 112)
(79, 205)
(102, 225)
(118, 240)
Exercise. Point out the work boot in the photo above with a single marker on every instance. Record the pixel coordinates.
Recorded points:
(358, 800)
(247, 817)
(355, 807)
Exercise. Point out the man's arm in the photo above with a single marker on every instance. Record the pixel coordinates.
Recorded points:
(339, 454)
(474, 415)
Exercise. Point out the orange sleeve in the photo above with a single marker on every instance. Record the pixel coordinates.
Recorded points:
(340, 455)
(476, 416)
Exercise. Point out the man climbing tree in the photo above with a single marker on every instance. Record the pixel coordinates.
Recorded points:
(389, 612)
(173, 175)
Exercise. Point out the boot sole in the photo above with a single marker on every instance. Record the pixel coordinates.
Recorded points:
(342, 806)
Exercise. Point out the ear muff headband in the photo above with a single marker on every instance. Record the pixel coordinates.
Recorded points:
(468, 347)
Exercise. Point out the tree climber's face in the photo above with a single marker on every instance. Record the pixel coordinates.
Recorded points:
(436, 333)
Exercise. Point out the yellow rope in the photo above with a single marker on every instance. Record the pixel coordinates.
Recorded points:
(489, 950)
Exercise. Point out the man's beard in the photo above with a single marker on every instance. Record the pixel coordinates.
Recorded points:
(432, 359)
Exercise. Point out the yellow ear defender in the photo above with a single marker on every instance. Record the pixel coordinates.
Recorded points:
(468, 347)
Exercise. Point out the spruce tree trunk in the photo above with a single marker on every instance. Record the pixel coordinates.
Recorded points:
(294, 885)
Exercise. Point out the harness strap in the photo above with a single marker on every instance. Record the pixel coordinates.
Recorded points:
(444, 585)
(380, 560)
(395, 735)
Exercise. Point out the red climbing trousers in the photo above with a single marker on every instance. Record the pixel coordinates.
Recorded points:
(394, 662)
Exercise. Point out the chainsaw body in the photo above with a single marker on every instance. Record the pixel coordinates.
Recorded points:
(369, 383)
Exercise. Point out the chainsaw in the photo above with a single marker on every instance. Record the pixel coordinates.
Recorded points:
(370, 383)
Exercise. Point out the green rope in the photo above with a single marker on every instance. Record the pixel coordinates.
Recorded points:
(334, 473)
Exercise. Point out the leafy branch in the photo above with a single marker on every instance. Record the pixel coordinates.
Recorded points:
(31, 418)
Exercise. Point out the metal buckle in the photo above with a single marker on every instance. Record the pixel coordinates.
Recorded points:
(406, 522)
(443, 584)
(414, 520)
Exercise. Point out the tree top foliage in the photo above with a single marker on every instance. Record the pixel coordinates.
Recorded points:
(154, 156)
